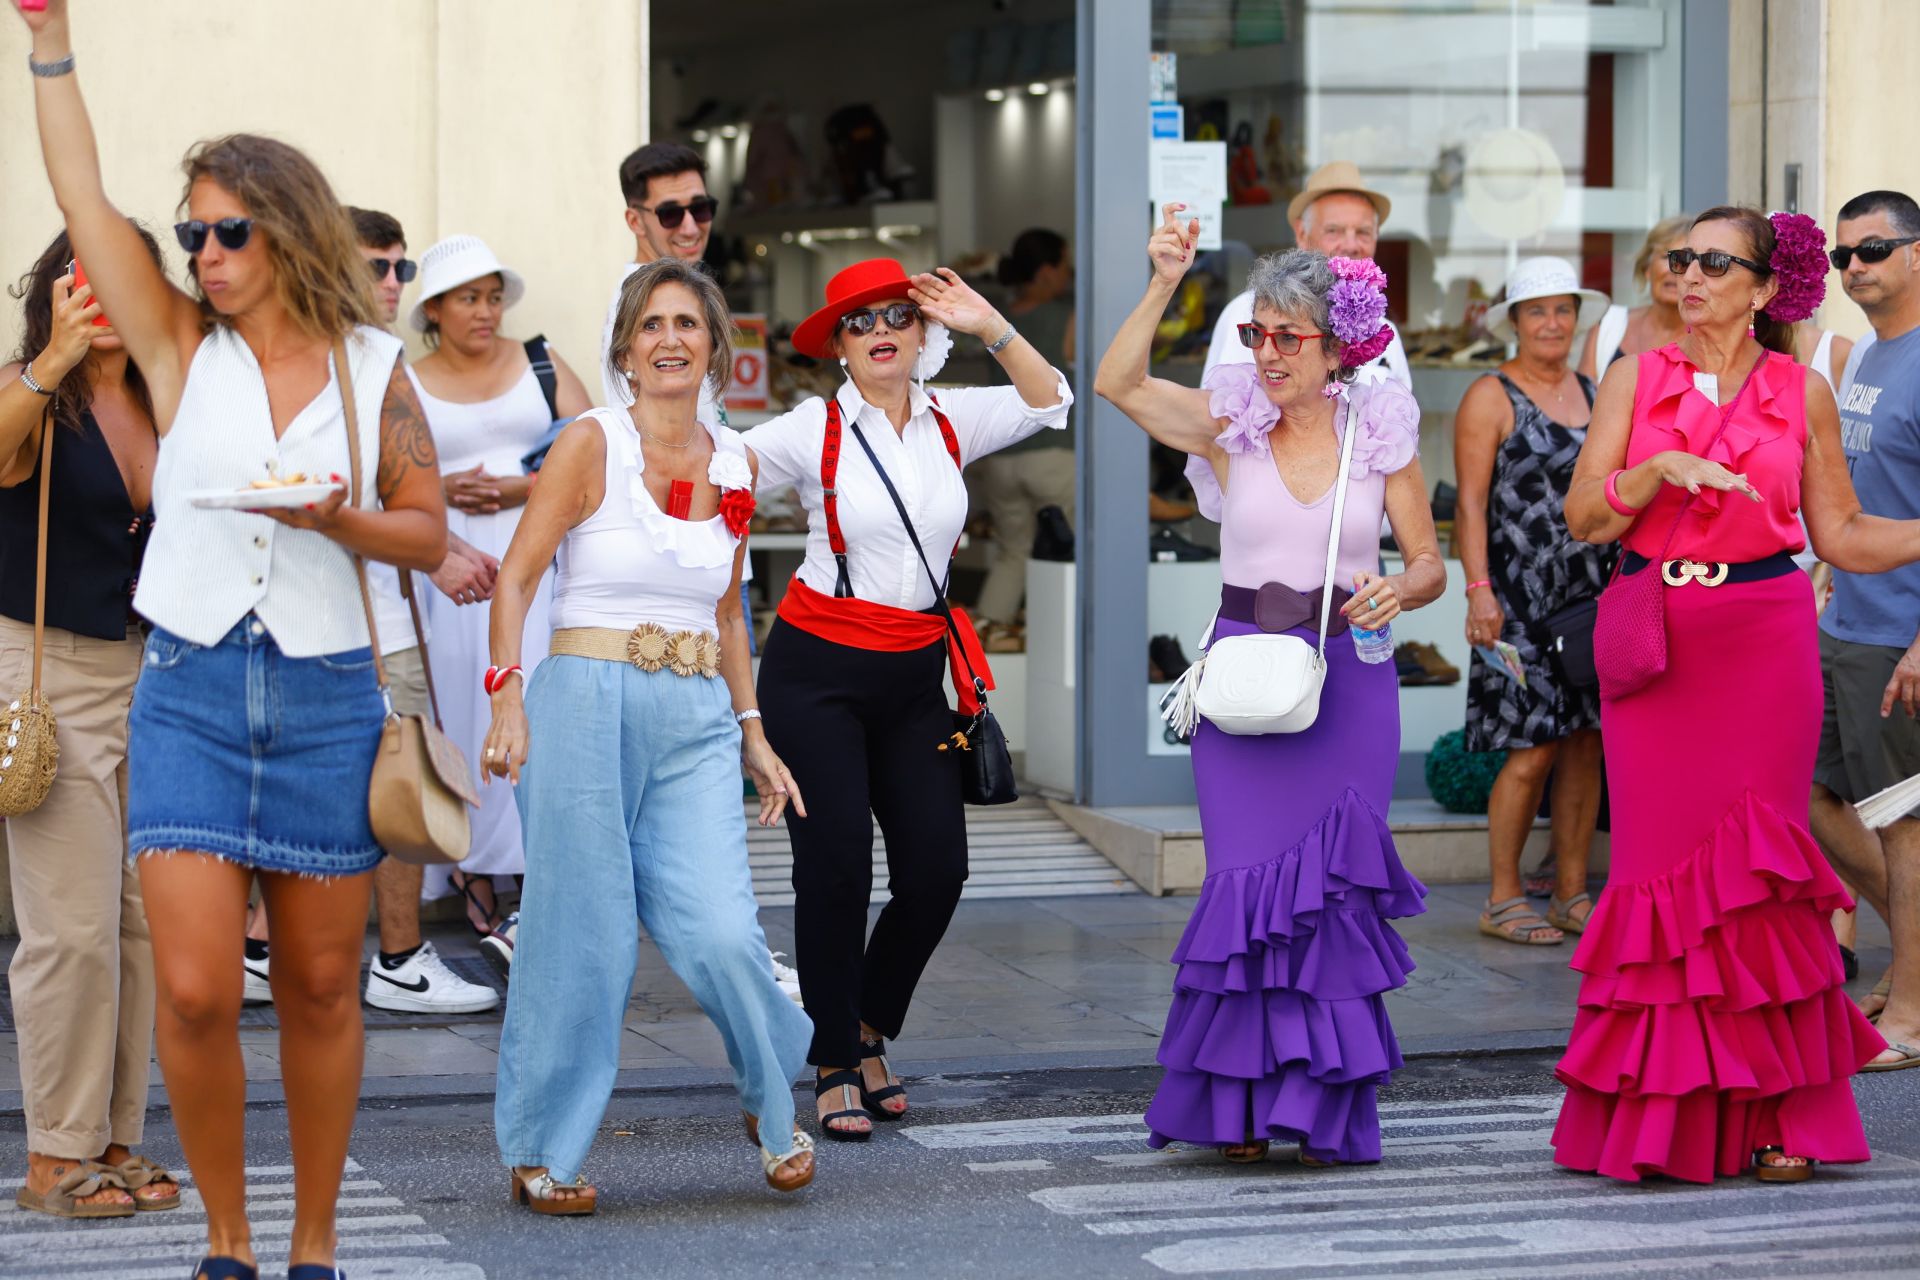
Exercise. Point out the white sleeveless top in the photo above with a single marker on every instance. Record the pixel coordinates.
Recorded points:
(496, 433)
(206, 570)
(630, 562)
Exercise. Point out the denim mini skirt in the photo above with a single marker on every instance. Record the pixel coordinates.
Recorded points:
(239, 751)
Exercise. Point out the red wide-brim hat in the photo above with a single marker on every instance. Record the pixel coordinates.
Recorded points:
(860, 285)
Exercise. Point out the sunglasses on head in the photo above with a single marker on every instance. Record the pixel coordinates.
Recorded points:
(899, 315)
(670, 212)
(1253, 337)
(1866, 251)
(232, 233)
(1713, 262)
(404, 269)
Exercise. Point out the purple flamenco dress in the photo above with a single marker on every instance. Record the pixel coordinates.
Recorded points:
(1279, 1028)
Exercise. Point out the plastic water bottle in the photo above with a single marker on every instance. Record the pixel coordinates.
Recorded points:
(1373, 646)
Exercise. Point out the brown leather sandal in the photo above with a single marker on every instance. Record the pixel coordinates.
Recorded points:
(1766, 1172)
(85, 1178)
(791, 1171)
(540, 1193)
(139, 1173)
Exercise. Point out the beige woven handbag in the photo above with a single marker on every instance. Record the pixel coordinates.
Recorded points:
(422, 787)
(32, 753)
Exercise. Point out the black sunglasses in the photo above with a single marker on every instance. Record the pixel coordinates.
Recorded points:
(898, 315)
(1866, 251)
(405, 269)
(670, 212)
(1713, 262)
(232, 233)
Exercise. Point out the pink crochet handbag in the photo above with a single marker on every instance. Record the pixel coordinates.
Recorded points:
(1630, 630)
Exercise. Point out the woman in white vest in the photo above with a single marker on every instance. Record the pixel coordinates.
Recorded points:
(256, 717)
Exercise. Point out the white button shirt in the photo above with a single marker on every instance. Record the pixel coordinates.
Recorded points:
(881, 560)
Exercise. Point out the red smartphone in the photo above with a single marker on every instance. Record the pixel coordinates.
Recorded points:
(79, 274)
(680, 499)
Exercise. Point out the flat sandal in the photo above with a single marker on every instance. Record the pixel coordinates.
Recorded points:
(1507, 922)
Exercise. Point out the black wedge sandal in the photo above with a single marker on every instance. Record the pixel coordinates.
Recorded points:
(315, 1271)
(843, 1079)
(212, 1268)
(872, 1098)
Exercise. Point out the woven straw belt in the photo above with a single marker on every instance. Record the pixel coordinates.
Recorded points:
(649, 646)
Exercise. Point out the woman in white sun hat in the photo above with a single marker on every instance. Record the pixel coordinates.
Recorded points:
(1515, 440)
(487, 407)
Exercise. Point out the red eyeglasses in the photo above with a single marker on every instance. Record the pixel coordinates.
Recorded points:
(1252, 336)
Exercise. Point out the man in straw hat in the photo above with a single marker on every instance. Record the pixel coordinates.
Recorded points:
(1338, 215)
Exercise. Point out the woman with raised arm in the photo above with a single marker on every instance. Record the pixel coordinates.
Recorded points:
(82, 976)
(1713, 1034)
(257, 714)
(1278, 1030)
(630, 741)
(851, 675)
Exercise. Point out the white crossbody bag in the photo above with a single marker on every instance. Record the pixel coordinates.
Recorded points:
(1260, 683)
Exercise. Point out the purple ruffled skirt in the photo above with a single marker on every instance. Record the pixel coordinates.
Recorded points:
(1279, 1019)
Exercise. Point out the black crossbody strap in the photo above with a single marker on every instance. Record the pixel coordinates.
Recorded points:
(939, 588)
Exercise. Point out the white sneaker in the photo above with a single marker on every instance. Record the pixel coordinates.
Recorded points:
(787, 976)
(424, 984)
(256, 989)
(497, 946)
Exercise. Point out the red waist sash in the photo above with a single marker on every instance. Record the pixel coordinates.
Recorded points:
(864, 624)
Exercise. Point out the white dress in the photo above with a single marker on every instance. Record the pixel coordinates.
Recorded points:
(497, 433)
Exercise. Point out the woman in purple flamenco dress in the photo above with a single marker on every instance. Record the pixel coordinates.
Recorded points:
(1279, 1030)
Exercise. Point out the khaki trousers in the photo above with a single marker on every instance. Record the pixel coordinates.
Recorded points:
(82, 978)
(1013, 487)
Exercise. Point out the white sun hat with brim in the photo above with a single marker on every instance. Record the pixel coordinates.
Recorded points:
(453, 262)
(1544, 278)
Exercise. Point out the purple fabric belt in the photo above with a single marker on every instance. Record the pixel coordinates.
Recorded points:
(1278, 607)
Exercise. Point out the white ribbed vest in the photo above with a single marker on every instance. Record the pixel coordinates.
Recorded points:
(206, 570)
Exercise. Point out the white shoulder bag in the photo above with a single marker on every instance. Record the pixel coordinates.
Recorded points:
(1262, 683)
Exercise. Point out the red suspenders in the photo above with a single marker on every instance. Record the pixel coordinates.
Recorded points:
(830, 498)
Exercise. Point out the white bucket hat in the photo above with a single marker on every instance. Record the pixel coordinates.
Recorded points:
(1544, 278)
(450, 264)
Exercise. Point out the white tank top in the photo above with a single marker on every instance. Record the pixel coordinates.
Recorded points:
(630, 562)
(206, 570)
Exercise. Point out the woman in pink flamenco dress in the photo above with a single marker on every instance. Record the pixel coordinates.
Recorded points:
(1713, 1036)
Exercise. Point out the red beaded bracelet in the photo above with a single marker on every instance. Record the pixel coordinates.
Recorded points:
(496, 678)
(1614, 499)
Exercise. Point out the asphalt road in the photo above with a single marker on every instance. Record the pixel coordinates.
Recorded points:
(1042, 1174)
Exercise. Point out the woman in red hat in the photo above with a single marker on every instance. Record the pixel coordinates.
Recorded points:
(850, 678)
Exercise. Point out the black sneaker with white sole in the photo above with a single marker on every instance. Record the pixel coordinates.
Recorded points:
(422, 983)
(257, 989)
(497, 946)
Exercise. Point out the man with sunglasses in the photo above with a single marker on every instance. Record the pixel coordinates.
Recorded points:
(1869, 653)
(1336, 215)
(671, 216)
(408, 976)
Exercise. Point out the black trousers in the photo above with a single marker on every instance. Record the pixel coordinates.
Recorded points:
(860, 730)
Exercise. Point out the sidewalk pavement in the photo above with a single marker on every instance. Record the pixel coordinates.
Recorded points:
(1018, 985)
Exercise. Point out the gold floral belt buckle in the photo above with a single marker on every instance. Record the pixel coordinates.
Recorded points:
(652, 647)
(1678, 573)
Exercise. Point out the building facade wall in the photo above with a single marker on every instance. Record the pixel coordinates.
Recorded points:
(492, 117)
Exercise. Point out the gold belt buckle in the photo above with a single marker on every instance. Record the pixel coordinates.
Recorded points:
(1677, 573)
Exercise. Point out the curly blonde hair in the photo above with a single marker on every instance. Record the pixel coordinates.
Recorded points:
(318, 272)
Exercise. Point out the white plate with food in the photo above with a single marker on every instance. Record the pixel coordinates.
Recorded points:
(264, 497)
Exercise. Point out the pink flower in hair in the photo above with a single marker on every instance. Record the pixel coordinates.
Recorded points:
(1359, 353)
(1799, 265)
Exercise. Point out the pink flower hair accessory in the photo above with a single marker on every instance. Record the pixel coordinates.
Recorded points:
(1799, 265)
(1357, 309)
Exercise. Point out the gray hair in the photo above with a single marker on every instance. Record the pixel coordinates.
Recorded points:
(637, 291)
(1296, 282)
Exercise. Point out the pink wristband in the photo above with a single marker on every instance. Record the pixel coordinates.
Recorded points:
(1615, 501)
(1484, 582)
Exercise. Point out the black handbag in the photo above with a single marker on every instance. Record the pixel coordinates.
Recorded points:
(1569, 642)
(986, 765)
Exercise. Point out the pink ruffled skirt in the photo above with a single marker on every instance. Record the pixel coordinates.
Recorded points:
(1712, 1020)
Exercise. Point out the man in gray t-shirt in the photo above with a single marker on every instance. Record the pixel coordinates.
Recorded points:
(1869, 654)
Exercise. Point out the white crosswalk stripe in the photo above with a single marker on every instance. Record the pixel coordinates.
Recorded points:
(1018, 850)
(379, 1240)
(1468, 1189)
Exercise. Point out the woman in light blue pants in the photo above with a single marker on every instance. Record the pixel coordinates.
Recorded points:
(627, 753)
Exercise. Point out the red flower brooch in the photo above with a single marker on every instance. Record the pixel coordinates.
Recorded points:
(736, 508)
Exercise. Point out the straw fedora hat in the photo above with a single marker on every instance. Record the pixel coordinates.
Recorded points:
(454, 261)
(1338, 175)
(860, 285)
(1543, 278)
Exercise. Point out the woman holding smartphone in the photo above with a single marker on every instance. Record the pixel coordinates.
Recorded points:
(257, 715)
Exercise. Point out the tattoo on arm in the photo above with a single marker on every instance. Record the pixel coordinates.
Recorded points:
(405, 441)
